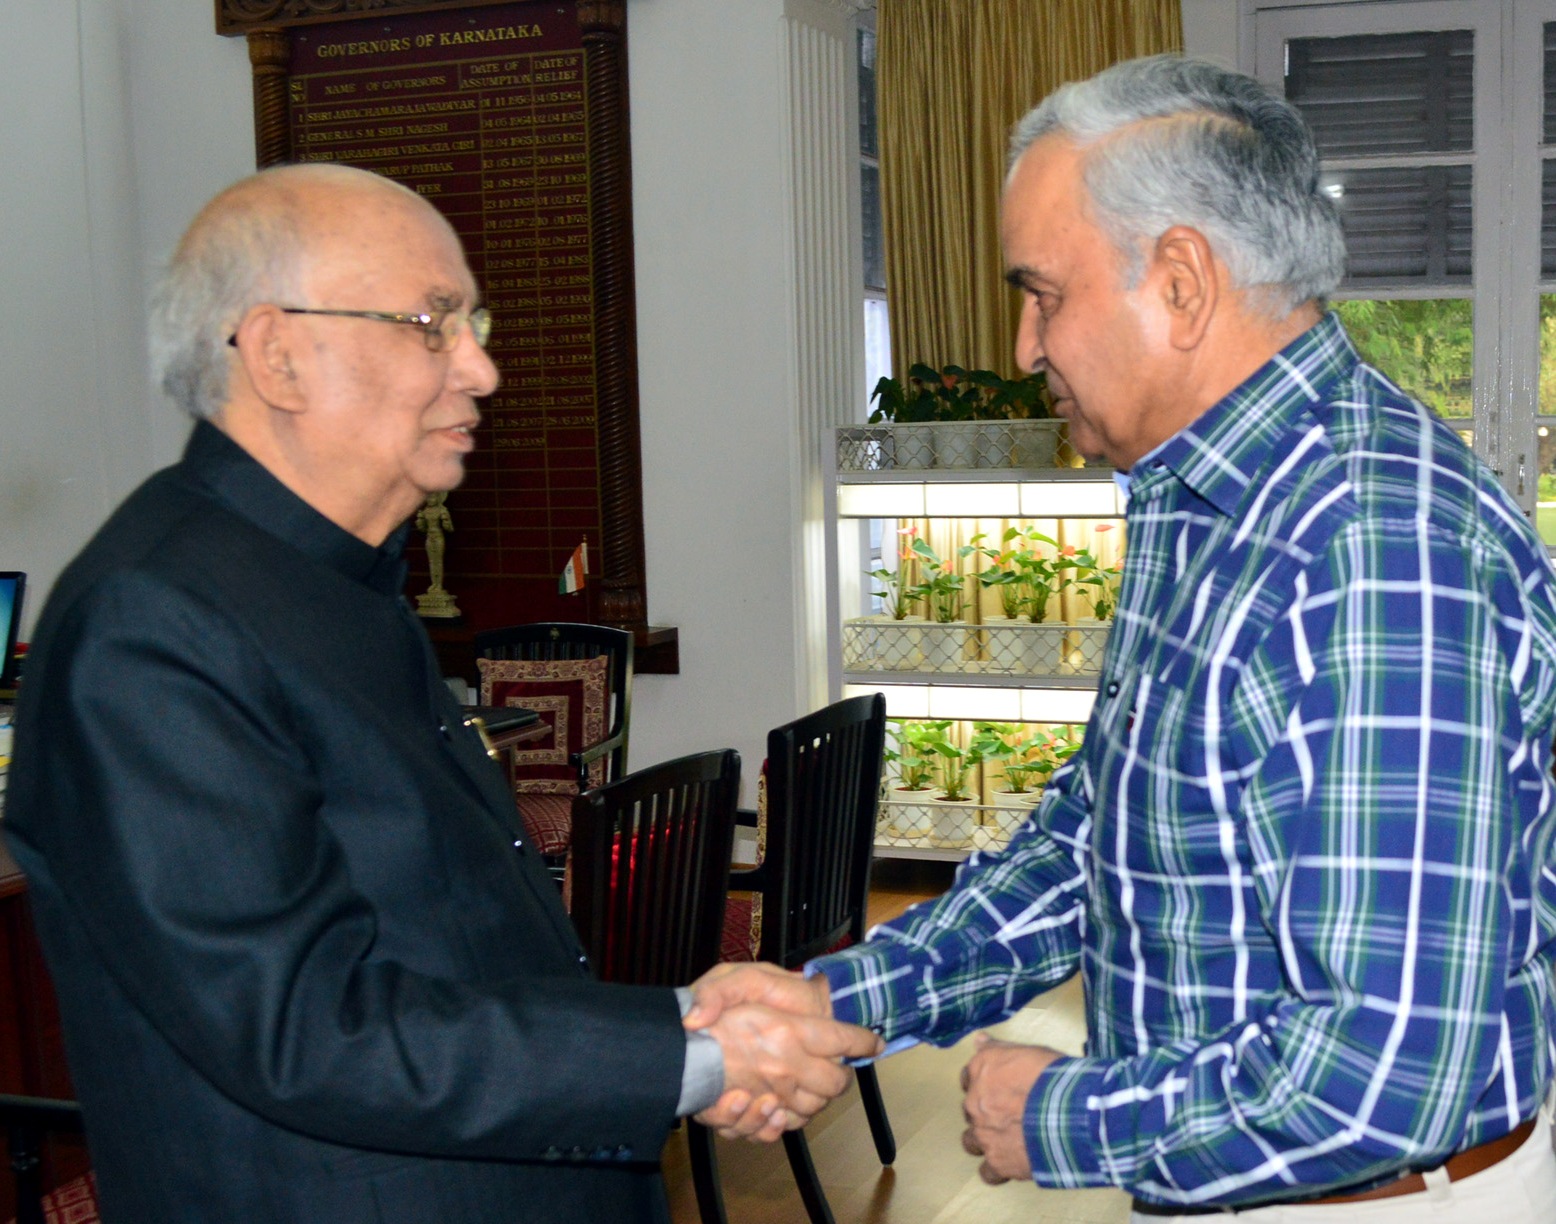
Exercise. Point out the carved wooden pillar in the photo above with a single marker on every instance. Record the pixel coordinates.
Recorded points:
(622, 597)
(270, 53)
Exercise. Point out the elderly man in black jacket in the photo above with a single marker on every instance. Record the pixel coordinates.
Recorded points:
(308, 967)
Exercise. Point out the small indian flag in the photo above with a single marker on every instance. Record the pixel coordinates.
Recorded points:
(573, 573)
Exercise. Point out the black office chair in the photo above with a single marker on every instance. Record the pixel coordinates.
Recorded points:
(26, 1121)
(823, 778)
(650, 869)
(579, 679)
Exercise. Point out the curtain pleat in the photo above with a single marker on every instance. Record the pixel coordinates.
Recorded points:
(953, 78)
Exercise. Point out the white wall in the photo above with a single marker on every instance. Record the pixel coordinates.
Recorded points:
(713, 360)
(105, 152)
(1210, 30)
(118, 130)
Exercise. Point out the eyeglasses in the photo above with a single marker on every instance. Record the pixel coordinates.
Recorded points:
(440, 329)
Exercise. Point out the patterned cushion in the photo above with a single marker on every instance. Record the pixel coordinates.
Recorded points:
(73, 1203)
(548, 819)
(569, 695)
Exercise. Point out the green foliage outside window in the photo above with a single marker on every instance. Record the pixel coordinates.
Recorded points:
(1547, 404)
(1426, 347)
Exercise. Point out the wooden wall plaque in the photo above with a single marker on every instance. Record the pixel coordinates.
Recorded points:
(511, 118)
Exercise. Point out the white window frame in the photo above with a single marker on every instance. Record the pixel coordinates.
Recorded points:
(1505, 198)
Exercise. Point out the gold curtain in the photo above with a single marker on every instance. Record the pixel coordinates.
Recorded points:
(953, 77)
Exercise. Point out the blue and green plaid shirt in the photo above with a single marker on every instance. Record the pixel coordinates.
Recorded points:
(1304, 861)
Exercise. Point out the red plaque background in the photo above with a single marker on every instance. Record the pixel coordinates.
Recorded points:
(482, 111)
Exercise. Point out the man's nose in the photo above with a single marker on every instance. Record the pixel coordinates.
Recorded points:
(1029, 340)
(472, 368)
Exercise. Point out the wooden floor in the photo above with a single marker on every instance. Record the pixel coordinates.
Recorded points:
(933, 1180)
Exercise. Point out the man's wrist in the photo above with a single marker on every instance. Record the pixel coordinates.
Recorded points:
(702, 1075)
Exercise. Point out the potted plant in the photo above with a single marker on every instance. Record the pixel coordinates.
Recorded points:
(952, 804)
(954, 400)
(1027, 572)
(910, 409)
(1019, 751)
(1100, 582)
(910, 755)
(943, 591)
(891, 639)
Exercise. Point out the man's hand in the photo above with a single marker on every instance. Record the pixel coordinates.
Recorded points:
(780, 1069)
(726, 985)
(998, 1082)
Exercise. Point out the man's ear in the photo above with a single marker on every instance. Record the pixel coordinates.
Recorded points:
(264, 347)
(1189, 281)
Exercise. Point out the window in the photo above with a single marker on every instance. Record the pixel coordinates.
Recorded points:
(1436, 124)
(877, 336)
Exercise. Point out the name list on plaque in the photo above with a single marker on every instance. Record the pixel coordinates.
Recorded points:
(482, 113)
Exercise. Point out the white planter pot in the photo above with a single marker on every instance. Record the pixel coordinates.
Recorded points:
(945, 646)
(1020, 648)
(1088, 641)
(954, 822)
(956, 444)
(910, 447)
(1034, 444)
(862, 642)
(900, 644)
(908, 814)
(1006, 813)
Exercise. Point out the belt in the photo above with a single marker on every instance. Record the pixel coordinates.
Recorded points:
(1458, 1166)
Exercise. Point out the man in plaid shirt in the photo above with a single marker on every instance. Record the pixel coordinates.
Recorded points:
(1304, 860)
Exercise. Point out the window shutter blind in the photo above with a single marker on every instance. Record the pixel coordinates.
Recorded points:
(1402, 96)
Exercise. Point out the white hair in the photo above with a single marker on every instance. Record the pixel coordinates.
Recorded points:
(1171, 141)
(248, 246)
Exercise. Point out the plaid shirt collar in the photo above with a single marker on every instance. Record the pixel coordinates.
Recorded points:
(1221, 455)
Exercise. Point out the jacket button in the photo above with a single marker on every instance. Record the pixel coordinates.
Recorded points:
(1112, 688)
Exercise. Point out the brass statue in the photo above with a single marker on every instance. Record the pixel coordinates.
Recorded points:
(432, 520)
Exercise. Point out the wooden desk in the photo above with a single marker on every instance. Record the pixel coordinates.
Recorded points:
(32, 1047)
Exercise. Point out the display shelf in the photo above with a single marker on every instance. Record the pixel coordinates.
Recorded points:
(989, 669)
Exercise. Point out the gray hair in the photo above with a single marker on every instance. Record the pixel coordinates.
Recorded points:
(1227, 157)
(247, 246)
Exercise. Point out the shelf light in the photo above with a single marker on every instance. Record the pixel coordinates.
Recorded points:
(1083, 498)
(981, 702)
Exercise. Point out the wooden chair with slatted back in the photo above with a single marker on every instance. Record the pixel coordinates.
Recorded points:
(823, 779)
(26, 1122)
(651, 855)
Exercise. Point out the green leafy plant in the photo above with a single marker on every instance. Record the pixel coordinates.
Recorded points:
(952, 762)
(1025, 576)
(943, 587)
(1423, 345)
(1027, 755)
(1100, 581)
(898, 594)
(953, 393)
(910, 751)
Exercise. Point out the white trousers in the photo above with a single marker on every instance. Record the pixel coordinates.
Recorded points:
(1518, 1190)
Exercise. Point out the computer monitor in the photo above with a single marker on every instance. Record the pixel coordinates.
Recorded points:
(12, 585)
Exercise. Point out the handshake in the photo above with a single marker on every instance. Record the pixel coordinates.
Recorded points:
(783, 1055)
(782, 1050)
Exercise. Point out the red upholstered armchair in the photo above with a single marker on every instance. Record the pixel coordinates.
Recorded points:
(578, 678)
